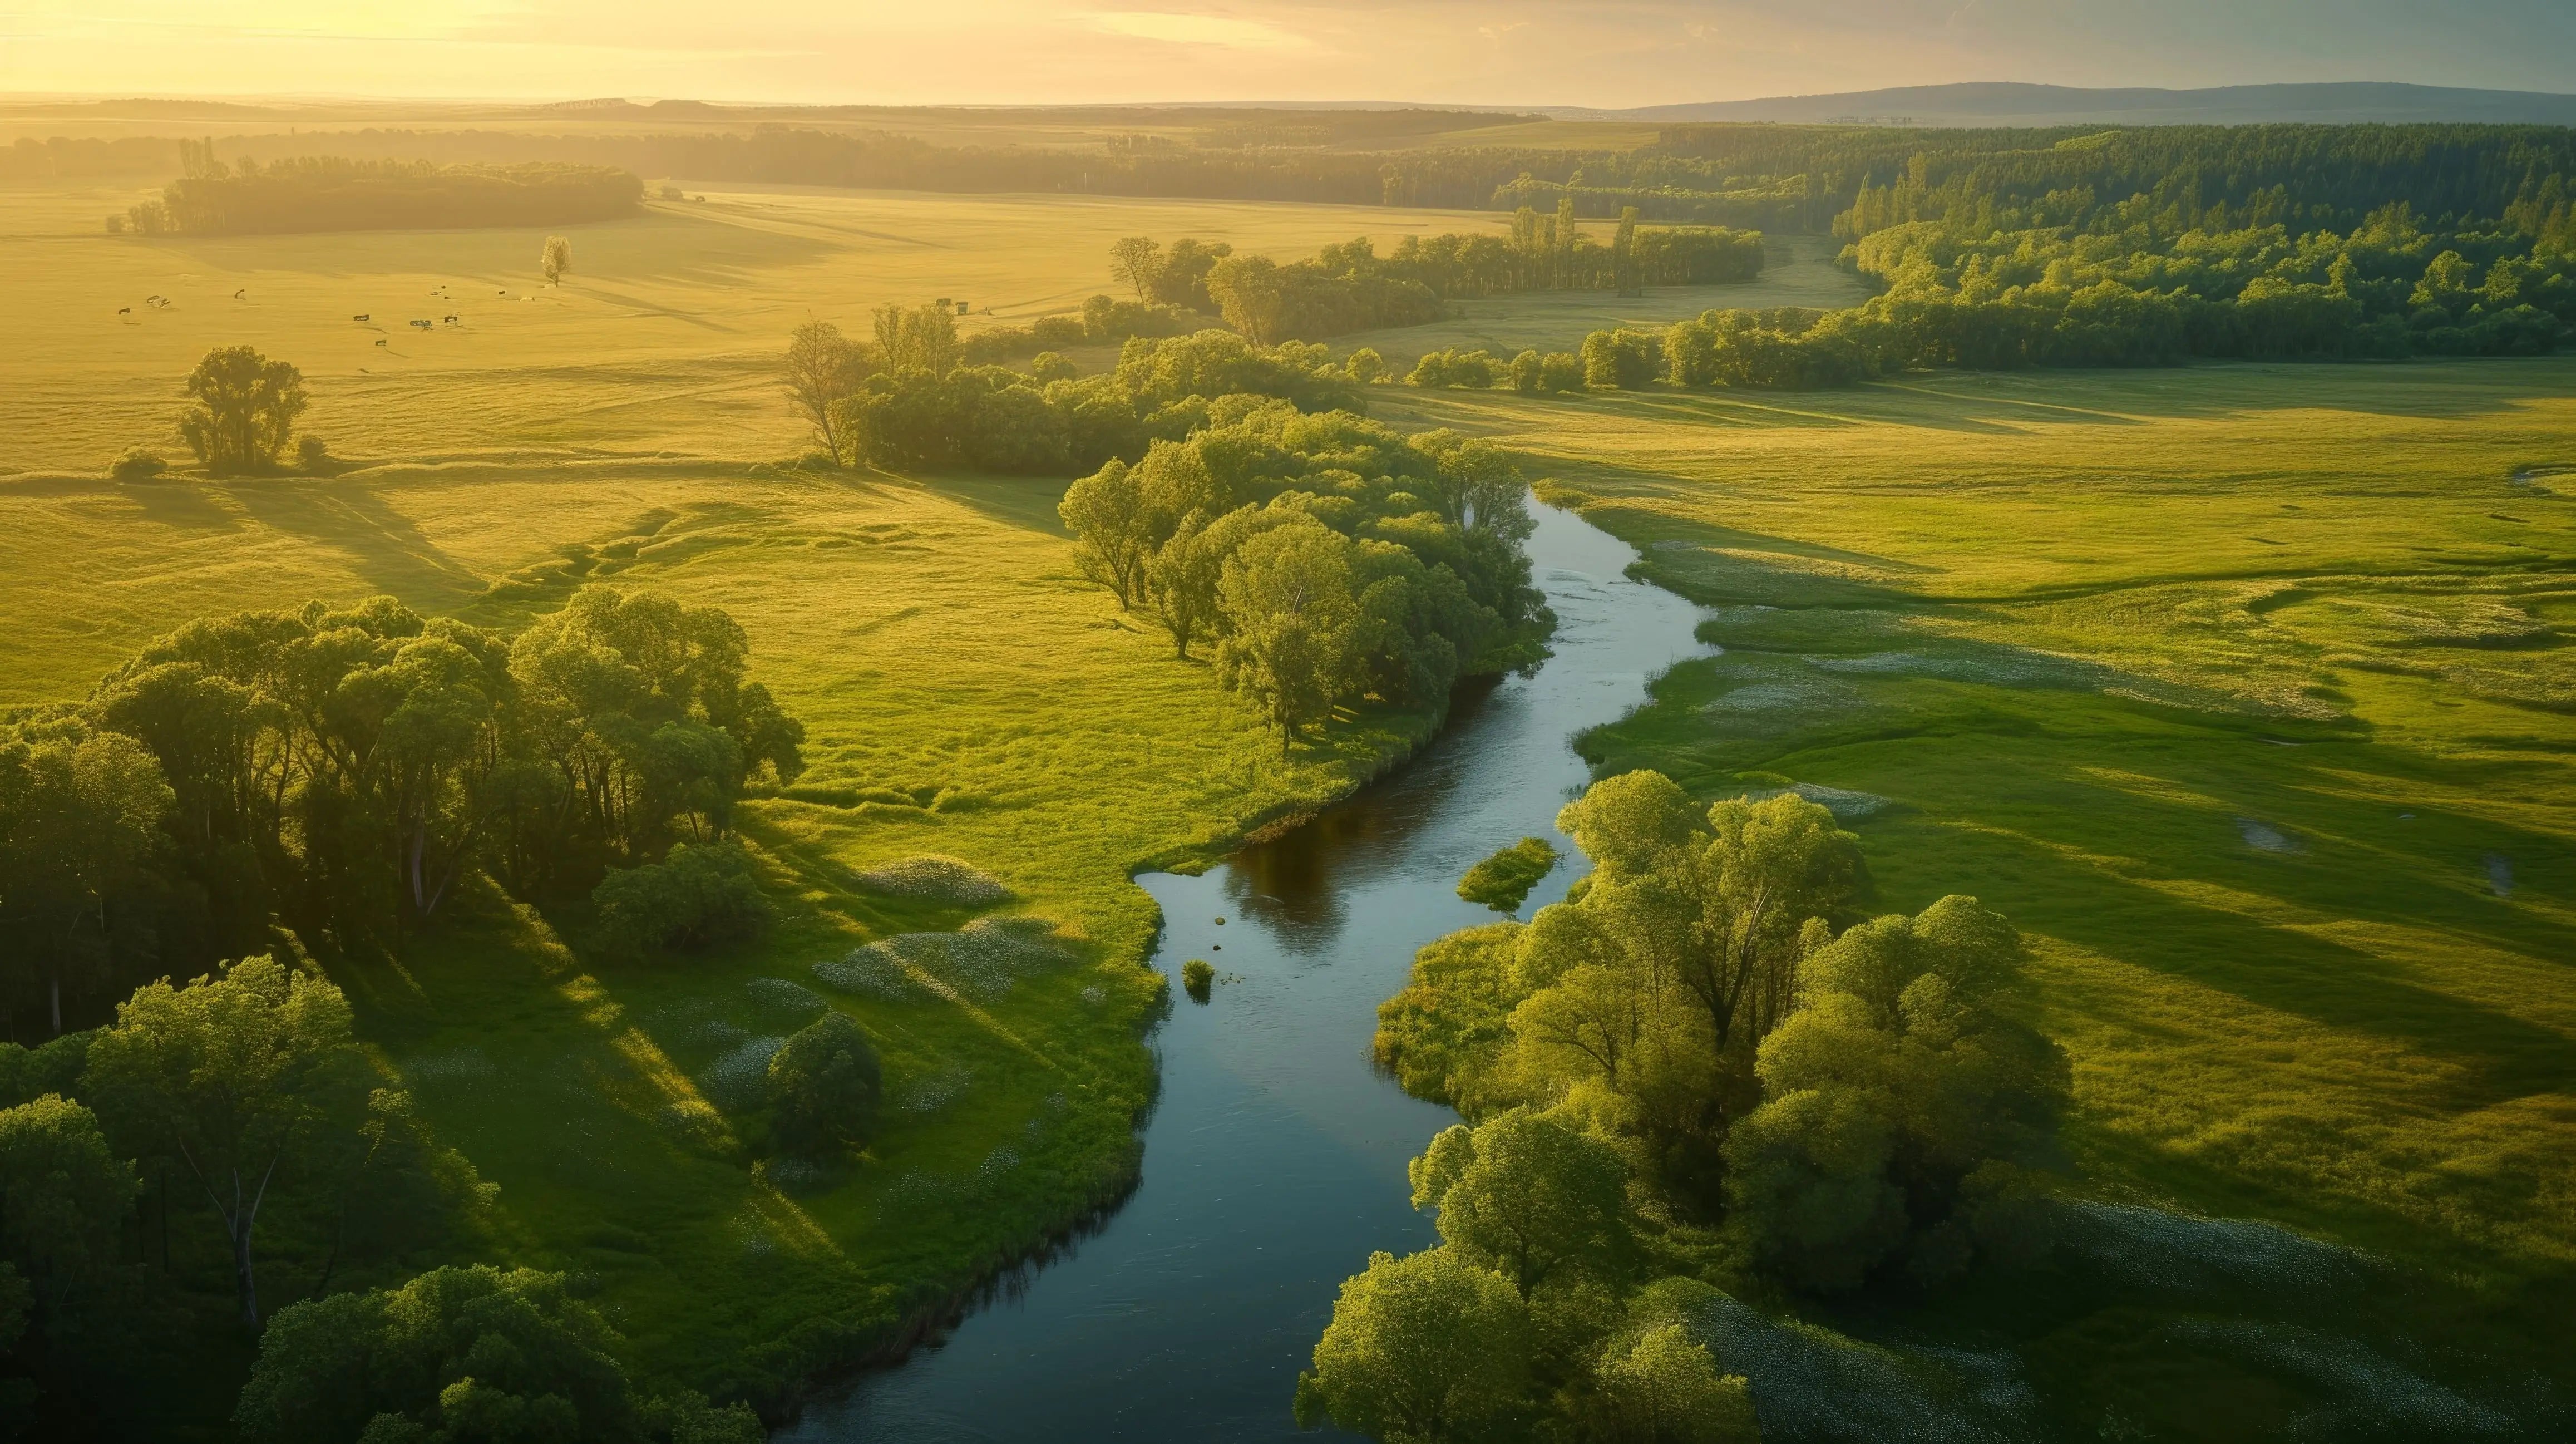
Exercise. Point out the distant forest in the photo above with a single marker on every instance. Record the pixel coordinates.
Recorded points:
(1778, 178)
(333, 193)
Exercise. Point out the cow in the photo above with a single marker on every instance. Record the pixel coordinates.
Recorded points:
(452, 320)
(125, 310)
(424, 325)
(380, 340)
(362, 316)
(242, 294)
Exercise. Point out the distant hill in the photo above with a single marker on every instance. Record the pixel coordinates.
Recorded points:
(1995, 103)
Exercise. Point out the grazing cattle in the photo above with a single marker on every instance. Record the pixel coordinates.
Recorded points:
(380, 340)
(241, 294)
(125, 310)
(362, 316)
(424, 325)
(452, 320)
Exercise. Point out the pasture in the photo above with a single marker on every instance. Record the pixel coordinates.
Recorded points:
(665, 337)
(2244, 690)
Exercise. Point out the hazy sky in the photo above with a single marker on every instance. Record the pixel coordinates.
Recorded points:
(1617, 52)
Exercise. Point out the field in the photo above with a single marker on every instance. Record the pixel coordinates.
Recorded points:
(2245, 691)
(665, 338)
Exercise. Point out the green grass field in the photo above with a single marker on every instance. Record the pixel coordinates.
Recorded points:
(967, 695)
(2244, 690)
(665, 339)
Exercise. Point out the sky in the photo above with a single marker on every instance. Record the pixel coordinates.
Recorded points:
(1607, 53)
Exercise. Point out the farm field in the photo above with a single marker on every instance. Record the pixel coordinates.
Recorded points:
(666, 336)
(2244, 690)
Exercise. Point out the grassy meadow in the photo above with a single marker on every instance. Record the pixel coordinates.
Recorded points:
(666, 336)
(2244, 690)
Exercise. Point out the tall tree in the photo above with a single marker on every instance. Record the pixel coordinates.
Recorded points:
(64, 1194)
(245, 412)
(236, 1077)
(1251, 294)
(79, 816)
(823, 366)
(1112, 522)
(555, 259)
(1138, 261)
(1291, 607)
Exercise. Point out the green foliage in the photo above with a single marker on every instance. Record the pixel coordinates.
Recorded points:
(1529, 1197)
(1621, 360)
(64, 1194)
(1664, 1388)
(822, 369)
(1198, 975)
(456, 1355)
(234, 1077)
(700, 895)
(824, 1086)
(555, 259)
(1443, 1035)
(1424, 1349)
(1902, 1072)
(245, 412)
(1503, 880)
(80, 812)
(27, 1074)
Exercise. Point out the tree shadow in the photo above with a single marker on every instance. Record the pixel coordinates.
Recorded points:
(385, 547)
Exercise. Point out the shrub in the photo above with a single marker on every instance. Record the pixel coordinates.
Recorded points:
(824, 1088)
(137, 464)
(1197, 976)
(313, 456)
(699, 896)
(1365, 365)
(1502, 881)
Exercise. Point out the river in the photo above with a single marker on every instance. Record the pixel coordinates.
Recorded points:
(1274, 1164)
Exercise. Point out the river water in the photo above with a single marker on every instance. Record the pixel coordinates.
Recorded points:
(1274, 1164)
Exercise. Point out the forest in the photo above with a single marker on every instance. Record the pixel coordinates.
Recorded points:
(334, 193)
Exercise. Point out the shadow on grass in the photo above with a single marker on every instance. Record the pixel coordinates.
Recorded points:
(384, 546)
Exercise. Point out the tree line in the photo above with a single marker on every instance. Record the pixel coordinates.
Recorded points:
(905, 395)
(351, 769)
(1321, 559)
(1958, 293)
(1699, 1072)
(334, 193)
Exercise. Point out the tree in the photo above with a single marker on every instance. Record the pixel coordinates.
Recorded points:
(1526, 1196)
(1288, 600)
(80, 813)
(1138, 261)
(1251, 295)
(555, 260)
(236, 1076)
(824, 1087)
(1183, 580)
(456, 1354)
(1664, 1388)
(700, 895)
(1112, 521)
(64, 1195)
(245, 412)
(917, 338)
(823, 366)
(1421, 1350)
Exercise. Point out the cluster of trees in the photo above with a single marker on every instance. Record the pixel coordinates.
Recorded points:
(1529, 373)
(1958, 295)
(1350, 287)
(1688, 1050)
(237, 1112)
(352, 768)
(1323, 558)
(907, 399)
(334, 193)
(1102, 321)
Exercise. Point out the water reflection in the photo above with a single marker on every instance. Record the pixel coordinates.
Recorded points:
(1274, 1162)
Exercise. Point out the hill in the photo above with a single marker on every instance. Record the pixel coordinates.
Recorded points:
(1998, 103)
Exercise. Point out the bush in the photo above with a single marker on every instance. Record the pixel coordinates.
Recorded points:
(699, 896)
(1625, 359)
(1502, 881)
(824, 1088)
(1197, 976)
(137, 464)
(313, 456)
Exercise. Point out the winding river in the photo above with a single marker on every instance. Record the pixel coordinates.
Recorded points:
(1274, 1164)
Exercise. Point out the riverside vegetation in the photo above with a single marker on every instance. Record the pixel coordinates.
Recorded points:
(826, 981)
